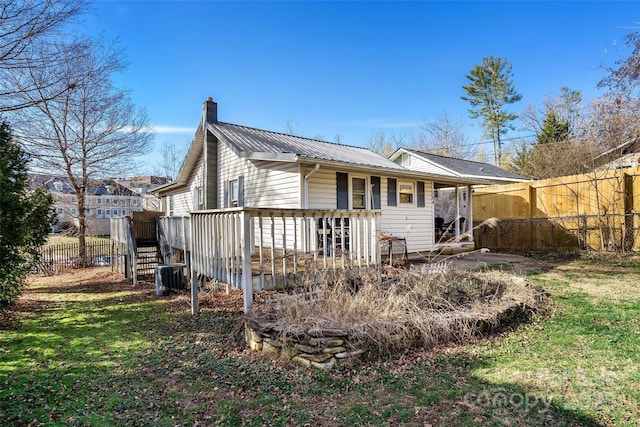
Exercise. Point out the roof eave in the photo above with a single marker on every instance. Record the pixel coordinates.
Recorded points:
(395, 172)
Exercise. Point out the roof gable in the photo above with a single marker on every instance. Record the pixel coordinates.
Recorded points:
(468, 168)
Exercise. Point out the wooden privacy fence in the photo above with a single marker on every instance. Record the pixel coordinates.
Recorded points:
(60, 256)
(599, 210)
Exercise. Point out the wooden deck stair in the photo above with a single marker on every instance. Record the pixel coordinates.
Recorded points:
(148, 257)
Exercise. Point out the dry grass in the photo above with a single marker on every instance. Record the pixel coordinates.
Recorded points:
(408, 309)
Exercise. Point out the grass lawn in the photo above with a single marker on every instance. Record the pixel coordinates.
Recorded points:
(85, 348)
(59, 239)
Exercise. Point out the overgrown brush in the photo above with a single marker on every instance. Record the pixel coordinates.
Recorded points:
(403, 309)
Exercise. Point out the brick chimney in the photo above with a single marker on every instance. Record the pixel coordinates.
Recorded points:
(210, 111)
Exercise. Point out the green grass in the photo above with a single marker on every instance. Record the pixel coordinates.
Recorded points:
(58, 239)
(91, 350)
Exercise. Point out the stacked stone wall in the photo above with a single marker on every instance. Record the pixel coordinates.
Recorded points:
(321, 348)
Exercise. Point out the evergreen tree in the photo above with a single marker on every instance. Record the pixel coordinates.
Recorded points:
(25, 218)
(490, 89)
(553, 129)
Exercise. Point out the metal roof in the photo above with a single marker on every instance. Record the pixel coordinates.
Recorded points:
(267, 145)
(468, 167)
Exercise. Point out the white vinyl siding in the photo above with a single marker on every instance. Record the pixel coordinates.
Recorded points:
(196, 181)
(405, 220)
(266, 184)
(183, 199)
(421, 165)
(322, 189)
(409, 221)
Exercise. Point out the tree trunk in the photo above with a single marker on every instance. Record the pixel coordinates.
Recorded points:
(82, 228)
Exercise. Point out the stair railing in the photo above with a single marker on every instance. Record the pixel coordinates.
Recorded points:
(132, 249)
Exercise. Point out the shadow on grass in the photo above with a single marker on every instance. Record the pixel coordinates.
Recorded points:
(141, 359)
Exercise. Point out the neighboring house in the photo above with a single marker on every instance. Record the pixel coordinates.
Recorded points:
(105, 199)
(229, 165)
(445, 208)
(143, 186)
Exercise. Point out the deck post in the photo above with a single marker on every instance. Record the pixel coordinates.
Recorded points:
(195, 252)
(246, 282)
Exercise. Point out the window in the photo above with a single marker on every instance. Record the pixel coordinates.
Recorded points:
(107, 213)
(375, 192)
(342, 190)
(74, 212)
(359, 193)
(200, 196)
(233, 191)
(115, 212)
(134, 202)
(420, 196)
(99, 200)
(391, 192)
(99, 214)
(405, 160)
(406, 192)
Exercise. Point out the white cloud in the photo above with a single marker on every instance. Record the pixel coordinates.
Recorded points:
(173, 129)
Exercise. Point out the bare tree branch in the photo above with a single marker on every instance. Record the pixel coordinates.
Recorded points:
(90, 130)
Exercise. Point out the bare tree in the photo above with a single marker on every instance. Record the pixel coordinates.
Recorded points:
(291, 127)
(566, 106)
(91, 130)
(384, 144)
(442, 136)
(170, 161)
(26, 26)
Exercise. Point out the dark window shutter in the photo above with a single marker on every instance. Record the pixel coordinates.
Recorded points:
(420, 196)
(342, 187)
(241, 190)
(226, 194)
(375, 192)
(391, 192)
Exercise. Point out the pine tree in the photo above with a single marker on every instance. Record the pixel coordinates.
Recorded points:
(490, 89)
(553, 130)
(25, 218)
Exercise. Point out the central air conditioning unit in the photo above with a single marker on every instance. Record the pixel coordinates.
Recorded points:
(170, 278)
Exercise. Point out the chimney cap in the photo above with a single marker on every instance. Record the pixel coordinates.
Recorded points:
(209, 98)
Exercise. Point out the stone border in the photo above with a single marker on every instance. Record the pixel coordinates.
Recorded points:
(320, 348)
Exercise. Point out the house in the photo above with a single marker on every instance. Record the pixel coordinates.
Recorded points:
(143, 186)
(105, 199)
(446, 210)
(231, 166)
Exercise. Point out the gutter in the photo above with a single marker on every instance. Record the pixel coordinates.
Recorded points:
(306, 184)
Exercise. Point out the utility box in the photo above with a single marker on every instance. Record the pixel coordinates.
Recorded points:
(170, 278)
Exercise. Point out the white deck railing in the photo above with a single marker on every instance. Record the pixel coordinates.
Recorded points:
(254, 249)
(173, 233)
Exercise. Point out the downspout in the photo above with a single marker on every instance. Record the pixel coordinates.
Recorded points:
(306, 184)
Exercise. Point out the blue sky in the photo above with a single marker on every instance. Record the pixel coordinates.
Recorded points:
(350, 68)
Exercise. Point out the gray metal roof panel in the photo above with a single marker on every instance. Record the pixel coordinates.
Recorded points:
(250, 140)
(468, 167)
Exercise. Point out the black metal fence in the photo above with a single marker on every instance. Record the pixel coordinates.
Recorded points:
(61, 256)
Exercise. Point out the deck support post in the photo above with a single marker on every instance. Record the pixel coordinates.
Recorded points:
(192, 271)
(246, 279)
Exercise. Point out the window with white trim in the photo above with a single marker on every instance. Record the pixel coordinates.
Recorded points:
(406, 191)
